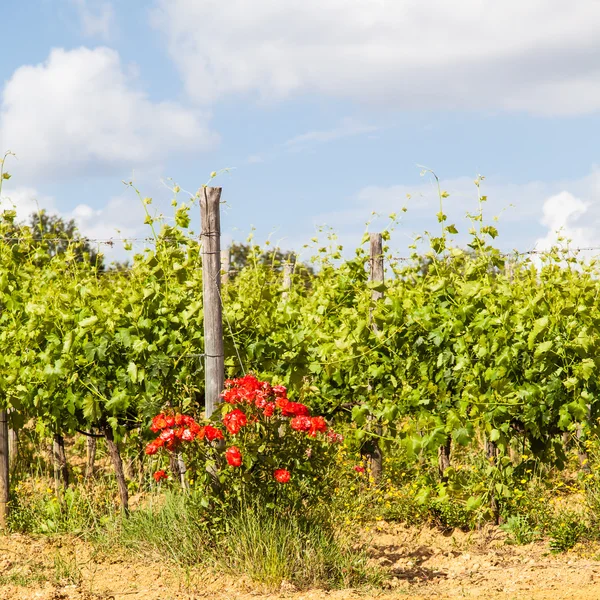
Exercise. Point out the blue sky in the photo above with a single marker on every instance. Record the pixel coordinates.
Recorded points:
(324, 109)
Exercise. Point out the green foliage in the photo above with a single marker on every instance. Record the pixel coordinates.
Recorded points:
(83, 511)
(520, 530)
(469, 345)
(566, 531)
(450, 514)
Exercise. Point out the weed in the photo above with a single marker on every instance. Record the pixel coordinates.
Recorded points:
(566, 532)
(520, 530)
(66, 570)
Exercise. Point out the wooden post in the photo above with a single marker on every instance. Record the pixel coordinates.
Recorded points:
(4, 469)
(13, 448)
(287, 280)
(374, 455)
(210, 200)
(225, 265)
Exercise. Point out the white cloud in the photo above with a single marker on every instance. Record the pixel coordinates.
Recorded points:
(79, 112)
(529, 214)
(25, 201)
(97, 18)
(539, 56)
(567, 217)
(348, 128)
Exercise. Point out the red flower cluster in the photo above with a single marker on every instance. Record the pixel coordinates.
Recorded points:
(233, 456)
(281, 475)
(235, 420)
(310, 424)
(159, 475)
(252, 401)
(249, 390)
(177, 428)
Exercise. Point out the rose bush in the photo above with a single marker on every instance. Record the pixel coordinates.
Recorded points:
(261, 446)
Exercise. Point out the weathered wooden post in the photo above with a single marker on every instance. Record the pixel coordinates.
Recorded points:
(4, 468)
(374, 455)
(287, 280)
(13, 448)
(210, 236)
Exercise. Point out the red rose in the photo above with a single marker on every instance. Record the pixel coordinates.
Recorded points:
(212, 433)
(197, 430)
(158, 423)
(170, 421)
(281, 402)
(279, 391)
(269, 409)
(159, 475)
(151, 448)
(281, 475)
(295, 409)
(187, 435)
(234, 421)
(233, 456)
(317, 424)
(300, 423)
(168, 435)
(260, 400)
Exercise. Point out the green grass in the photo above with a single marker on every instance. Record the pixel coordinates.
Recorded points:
(271, 548)
(168, 527)
(253, 542)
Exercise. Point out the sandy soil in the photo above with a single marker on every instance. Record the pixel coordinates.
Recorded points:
(423, 564)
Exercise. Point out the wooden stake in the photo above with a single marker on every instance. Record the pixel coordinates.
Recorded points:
(4, 469)
(210, 200)
(13, 448)
(287, 280)
(374, 455)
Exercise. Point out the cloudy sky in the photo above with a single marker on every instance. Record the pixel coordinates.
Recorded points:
(324, 110)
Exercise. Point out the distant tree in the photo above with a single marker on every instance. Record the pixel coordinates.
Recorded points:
(61, 234)
(241, 256)
(58, 234)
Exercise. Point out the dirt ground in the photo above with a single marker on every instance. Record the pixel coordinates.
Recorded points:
(423, 564)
